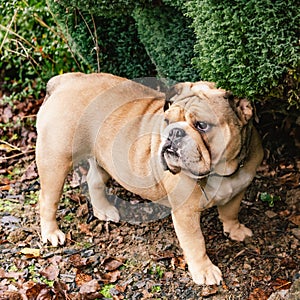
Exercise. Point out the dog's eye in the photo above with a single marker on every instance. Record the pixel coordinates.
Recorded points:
(202, 126)
(167, 121)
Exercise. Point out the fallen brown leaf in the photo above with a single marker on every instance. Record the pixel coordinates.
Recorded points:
(30, 172)
(51, 272)
(7, 114)
(85, 228)
(121, 288)
(60, 289)
(110, 277)
(82, 278)
(258, 294)
(89, 287)
(163, 255)
(5, 187)
(31, 252)
(178, 262)
(111, 263)
(167, 276)
(295, 219)
(77, 261)
(209, 291)
(10, 295)
(36, 291)
(14, 275)
(55, 260)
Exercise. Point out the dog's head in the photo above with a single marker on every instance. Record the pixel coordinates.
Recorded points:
(207, 130)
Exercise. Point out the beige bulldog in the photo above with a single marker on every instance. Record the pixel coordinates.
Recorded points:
(192, 149)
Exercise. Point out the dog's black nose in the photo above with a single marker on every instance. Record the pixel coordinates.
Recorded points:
(176, 134)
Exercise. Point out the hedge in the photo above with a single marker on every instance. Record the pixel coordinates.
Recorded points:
(120, 51)
(169, 41)
(248, 46)
(105, 8)
(128, 47)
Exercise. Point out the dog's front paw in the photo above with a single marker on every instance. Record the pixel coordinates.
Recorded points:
(208, 274)
(238, 232)
(109, 213)
(55, 237)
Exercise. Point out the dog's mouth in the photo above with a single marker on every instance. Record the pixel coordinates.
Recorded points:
(173, 161)
(170, 157)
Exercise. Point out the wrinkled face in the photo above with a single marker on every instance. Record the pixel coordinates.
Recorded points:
(206, 132)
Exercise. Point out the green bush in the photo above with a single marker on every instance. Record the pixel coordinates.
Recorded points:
(104, 8)
(142, 38)
(31, 49)
(169, 41)
(105, 44)
(248, 46)
(179, 4)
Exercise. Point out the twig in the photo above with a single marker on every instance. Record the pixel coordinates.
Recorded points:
(16, 155)
(27, 55)
(28, 116)
(8, 28)
(10, 145)
(66, 41)
(94, 37)
(87, 26)
(68, 253)
(281, 286)
(96, 45)
(17, 35)
(239, 254)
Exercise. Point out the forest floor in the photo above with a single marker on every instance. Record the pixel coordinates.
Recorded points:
(105, 260)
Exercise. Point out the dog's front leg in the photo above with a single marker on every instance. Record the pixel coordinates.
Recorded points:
(186, 218)
(187, 227)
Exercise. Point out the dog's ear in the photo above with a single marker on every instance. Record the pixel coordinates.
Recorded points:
(242, 107)
(245, 110)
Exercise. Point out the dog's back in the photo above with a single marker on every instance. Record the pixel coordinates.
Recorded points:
(88, 84)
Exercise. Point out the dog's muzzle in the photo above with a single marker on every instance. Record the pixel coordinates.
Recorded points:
(171, 148)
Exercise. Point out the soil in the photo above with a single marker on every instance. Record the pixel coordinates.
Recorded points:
(105, 260)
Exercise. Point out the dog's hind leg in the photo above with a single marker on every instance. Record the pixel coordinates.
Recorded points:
(97, 179)
(52, 171)
(228, 214)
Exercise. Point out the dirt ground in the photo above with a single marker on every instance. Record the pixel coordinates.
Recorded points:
(104, 260)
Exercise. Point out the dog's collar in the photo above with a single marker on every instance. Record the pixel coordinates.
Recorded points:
(240, 166)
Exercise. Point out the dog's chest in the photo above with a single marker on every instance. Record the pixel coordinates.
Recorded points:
(218, 190)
